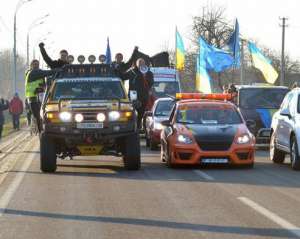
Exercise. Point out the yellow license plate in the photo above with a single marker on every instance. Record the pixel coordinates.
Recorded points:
(90, 150)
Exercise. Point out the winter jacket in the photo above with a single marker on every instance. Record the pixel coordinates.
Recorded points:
(16, 106)
(51, 63)
(3, 106)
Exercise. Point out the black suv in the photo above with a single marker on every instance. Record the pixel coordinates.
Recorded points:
(86, 111)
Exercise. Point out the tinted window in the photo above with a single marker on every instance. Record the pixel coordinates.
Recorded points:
(97, 90)
(208, 115)
(164, 108)
(255, 98)
(163, 89)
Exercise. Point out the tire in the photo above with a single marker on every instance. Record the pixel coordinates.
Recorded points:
(276, 155)
(132, 152)
(147, 139)
(48, 154)
(162, 154)
(294, 154)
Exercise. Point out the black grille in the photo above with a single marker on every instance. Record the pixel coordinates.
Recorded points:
(184, 156)
(243, 155)
(214, 145)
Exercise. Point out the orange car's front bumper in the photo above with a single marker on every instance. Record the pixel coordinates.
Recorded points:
(192, 154)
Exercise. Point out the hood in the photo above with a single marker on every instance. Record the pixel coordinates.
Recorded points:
(89, 104)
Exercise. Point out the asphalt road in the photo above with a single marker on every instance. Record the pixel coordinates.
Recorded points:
(97, 198)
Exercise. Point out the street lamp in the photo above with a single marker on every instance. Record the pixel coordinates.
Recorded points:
(19, 5)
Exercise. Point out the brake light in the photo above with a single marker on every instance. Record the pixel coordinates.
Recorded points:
(196, 96)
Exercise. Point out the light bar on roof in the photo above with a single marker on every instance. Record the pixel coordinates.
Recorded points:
(198, 96)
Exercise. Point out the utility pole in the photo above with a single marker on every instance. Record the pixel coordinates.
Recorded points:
(282, 69)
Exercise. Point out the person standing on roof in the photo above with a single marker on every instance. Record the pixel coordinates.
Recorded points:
(140, 80)
(34, 82)
(63, 59)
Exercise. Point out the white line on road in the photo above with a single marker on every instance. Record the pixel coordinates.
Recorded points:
(13, 187)
(204, 175)
(272, 216)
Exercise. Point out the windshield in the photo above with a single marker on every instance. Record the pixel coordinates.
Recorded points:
(163, 89)
(261, 98)
(208, 115)
(164, 108)
(94, 90)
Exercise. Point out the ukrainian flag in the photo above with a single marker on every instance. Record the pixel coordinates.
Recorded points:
(180, 52)
(203, 80)
(262, 63)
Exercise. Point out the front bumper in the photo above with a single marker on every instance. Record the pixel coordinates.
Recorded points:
(192, 155)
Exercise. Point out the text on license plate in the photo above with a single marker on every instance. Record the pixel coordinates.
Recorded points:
(89, 125)
(214, 160)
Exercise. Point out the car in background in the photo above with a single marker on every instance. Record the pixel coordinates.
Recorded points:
(258, 103)
(204, 130)
(285, 131)
(160, 112)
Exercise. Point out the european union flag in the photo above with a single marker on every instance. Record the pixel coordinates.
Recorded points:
(108, 53)
(234, 44)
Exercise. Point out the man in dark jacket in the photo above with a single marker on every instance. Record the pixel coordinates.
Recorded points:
(141, 81)
(63, 60)
(4, 105)
(35, 80)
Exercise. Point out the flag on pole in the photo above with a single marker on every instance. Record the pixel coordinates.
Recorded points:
(216, 59)
(234, 44)
(203, 80)
(262, 63)
(180, 52)
(108, 53)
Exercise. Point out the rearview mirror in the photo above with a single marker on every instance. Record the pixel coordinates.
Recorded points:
(286, 112)
(133, 95)
(166, 123)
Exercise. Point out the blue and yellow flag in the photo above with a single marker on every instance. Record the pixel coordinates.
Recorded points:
(180, 52)
(234, 44)
(108, 53)
(262, 63)
(203, 80)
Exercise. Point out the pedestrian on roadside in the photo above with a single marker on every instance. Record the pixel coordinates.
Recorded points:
(140, 80)
(63, 58)
(16, 109)
(4, 105)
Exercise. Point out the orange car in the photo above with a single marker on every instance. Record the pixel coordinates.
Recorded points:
(206, 131)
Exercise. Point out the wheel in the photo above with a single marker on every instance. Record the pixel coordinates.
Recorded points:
(48, 154)
(132, 152)
(276, 155)
(168, 159)
(153, 146)
(294, 154)
(162, 154)
(147, 139)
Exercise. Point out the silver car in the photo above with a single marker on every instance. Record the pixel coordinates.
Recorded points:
(285, 130)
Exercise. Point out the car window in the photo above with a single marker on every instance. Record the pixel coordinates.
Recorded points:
(286, 101)
(163, 108)
(163, 89)
(80, 89)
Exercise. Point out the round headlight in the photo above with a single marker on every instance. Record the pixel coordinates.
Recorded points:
(158, 126)
(244, 139)
(114, 115)
(79, 118)
(65, 116)
(101, 117)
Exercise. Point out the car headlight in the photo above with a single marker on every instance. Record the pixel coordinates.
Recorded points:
(65, 116)
(158, 126)
(184, 139)
(114, 115)
(79, 118)
(243, 139)
(101, 117)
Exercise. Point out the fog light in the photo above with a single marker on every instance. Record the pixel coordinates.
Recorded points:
(114, 115)
(65, 116)
(101, 117)
(79, 118)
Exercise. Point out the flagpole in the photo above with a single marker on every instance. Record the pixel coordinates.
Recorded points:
(176, 47)
(242, 62)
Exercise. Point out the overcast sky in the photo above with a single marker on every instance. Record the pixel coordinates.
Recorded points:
(82, 27)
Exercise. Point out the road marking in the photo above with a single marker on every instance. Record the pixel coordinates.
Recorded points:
(14, 185)
(204, 175)
(272, 216)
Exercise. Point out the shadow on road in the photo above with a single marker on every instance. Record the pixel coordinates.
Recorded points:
(270, 232)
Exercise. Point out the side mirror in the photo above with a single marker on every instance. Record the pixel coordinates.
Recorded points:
(133, 95)
(286, 112)
(251, 124)
(166, 123)
(148, 114)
